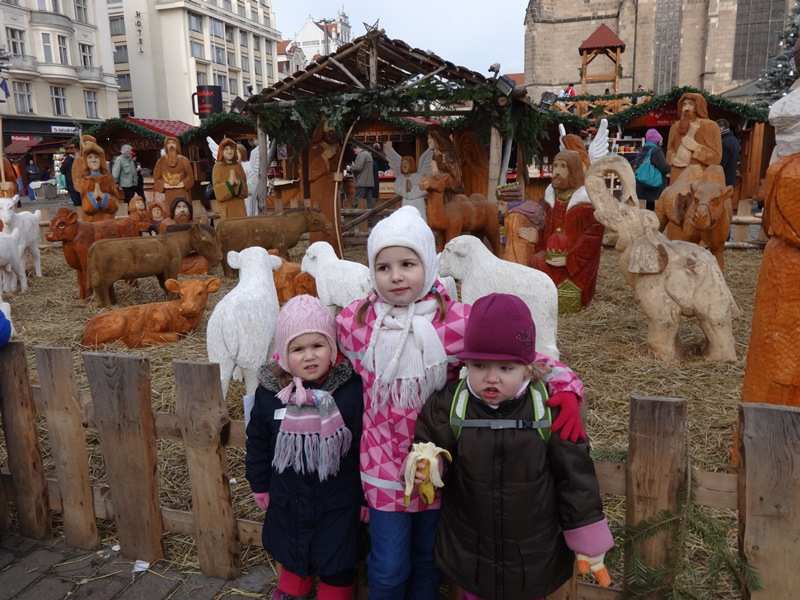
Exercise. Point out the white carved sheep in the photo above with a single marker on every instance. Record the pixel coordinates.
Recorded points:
(11, 263)
(28, 225)
(242, 325)
(480, 272)
(339, 282)
(448, 282)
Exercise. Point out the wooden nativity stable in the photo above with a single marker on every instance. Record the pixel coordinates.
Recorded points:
(376, 89)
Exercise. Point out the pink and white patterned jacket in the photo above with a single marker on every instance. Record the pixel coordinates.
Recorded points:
(388, 431)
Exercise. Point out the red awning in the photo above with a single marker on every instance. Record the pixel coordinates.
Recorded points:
(162, 126)
(21, 146)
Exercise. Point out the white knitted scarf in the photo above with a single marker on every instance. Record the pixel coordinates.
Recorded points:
(406, 354)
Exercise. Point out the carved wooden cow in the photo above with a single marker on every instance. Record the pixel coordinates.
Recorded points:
(154, 323)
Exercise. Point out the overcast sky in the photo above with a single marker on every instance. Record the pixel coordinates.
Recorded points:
(472, 33)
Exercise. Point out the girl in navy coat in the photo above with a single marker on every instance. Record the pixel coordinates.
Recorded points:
(301, 461)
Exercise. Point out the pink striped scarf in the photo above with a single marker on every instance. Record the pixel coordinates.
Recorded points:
(313, 437)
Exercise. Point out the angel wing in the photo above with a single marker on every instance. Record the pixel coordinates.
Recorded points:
(598, 147)
(212, 145)
(562, 132)
(424, 166)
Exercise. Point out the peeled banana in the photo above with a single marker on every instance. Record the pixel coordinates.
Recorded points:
(427, 453)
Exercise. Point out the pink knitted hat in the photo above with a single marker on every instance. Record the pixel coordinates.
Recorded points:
(303, 314)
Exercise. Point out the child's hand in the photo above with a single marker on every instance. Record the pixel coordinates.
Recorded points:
(596, 566)
(568, 423)
(423, 471)
(364, 514)
(262, 500)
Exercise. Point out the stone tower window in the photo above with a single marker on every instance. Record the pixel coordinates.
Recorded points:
(668, 44)
(759, 24)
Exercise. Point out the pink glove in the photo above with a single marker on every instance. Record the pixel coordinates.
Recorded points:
(261, 499)
(364, 514)
(568, 423)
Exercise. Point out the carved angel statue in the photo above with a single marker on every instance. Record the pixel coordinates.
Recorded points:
(408, 174)
(598, 147)
(251, 170)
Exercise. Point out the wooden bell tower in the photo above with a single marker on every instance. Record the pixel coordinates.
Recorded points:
(603, 42)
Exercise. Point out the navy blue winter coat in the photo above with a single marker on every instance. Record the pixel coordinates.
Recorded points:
(311, 526)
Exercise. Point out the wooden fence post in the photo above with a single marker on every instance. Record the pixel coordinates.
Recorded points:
(655, 470)
(203, 416)
(120, 386)
(769, 497)
(5, 515)
(22, 443)
(68, 442)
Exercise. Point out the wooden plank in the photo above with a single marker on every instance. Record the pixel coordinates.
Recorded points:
(5, 513)
(62, 410)
(655, 469)
(717, 490)
(611, 476)
(769, 496)
(120, 387)
(22, 444)
(203, 416)
(495, 158)
(347, 72)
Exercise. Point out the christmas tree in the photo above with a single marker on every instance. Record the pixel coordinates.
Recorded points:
(781, 71)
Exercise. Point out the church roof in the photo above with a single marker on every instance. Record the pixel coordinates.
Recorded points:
(602, 38)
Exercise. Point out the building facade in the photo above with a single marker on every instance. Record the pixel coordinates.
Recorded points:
(291, 58)
(164, 50)
(60, 72)
(318, 37)
(714, 45)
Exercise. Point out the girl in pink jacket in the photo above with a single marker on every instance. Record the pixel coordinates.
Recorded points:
(402, 340)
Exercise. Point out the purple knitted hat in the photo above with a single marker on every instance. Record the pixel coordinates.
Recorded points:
(652, 135)
(500, 328)
(303, 314)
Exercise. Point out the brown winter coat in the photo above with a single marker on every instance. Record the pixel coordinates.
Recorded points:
(508, 495)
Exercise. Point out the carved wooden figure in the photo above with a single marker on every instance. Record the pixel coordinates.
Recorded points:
(698, 208)
(173, 174)
(461, 214)
(181, 213)
(78, 236)
(154, 323)
(290, 281)
(568, 248)
(8, 189)
(99, 193)
(670, 278)
(230, 181)
(694, 139)
(160, 256)
(281, 232)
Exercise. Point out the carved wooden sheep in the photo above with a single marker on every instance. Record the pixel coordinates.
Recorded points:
(11, 263)
(76, 238)
(480, 272)
(339, 282)
(241, 327)
(154, 323)
(28, 225)
(160, 256)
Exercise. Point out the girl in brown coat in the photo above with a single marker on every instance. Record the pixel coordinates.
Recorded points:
(517, 501)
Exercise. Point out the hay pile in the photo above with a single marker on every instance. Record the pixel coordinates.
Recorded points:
(604, 344)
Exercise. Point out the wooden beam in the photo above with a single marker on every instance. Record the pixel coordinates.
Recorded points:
(347, 72)
(370, 212)
(373, 65)
(409, 84)
(495, 162)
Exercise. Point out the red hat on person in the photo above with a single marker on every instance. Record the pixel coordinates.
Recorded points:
(500, 327)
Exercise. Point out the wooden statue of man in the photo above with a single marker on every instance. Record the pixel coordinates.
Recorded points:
(568, 249)
(173, 175)
(694, 139)
(230, 182)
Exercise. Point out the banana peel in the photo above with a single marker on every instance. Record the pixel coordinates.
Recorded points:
(427, 454)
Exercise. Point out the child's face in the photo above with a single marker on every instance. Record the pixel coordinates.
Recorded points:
(496, 381)
(399, 275)
(309, 356)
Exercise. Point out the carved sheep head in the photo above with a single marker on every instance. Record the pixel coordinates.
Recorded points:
(458, 256)
(317, 221)
(317, 254)
(260, 259)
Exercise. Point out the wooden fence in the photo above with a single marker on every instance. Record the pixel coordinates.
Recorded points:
(766, 490)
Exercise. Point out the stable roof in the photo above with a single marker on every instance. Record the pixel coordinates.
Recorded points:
(163, 126)
(348, 70)
(602, 38)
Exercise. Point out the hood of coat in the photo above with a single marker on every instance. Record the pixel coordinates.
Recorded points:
(273, 378)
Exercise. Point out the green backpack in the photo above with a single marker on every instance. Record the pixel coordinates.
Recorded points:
(542, 415)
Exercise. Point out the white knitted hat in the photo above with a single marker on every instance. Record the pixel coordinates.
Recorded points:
(405, 227)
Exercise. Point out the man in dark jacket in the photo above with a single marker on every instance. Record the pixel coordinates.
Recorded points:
(66, 169)
(731, 148)
(362, 171)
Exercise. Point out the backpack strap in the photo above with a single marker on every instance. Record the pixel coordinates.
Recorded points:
(542, 416)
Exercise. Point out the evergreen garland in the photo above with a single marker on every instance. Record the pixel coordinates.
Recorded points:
(780, 72)
(105, 128)
(212, 123)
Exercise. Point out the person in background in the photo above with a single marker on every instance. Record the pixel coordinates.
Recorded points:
(124, 172)
(568, 92)
(731, 148)
(362, 171)
(607, 92)
(139, 175)
(378, 164)
(32, 170)
(651, 152)
(66, 169)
